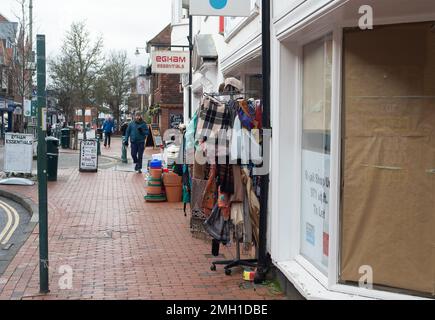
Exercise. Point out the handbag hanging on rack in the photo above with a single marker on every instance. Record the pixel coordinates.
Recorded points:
(217, 226)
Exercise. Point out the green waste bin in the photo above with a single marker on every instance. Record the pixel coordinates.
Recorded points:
(52, 158)
(65, 138)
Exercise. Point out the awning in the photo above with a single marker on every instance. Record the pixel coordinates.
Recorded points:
(204, 51)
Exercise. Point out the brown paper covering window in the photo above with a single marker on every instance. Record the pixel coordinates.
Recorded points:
(388, 197)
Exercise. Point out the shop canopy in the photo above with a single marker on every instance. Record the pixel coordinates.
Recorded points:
(204, 51)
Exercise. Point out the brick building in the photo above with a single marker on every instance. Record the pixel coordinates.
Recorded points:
(166, 89)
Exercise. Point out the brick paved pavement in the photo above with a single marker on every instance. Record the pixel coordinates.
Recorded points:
(119, 246)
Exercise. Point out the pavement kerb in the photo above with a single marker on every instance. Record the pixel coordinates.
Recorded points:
(26, 202)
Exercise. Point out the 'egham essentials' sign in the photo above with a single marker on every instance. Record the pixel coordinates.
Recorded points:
(172, 62)
(18, 153)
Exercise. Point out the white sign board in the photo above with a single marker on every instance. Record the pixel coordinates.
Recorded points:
(88, 156)
(18, 153)
(222, 8)
(27, 108)
(143, 86)
(172, 62)
(315, 208)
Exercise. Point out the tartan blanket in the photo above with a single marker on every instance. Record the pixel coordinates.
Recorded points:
(213, 117)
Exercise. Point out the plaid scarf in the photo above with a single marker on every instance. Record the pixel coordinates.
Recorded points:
(213, 117)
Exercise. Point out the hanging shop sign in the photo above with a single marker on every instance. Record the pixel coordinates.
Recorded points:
(27, 108)
(222, 8)
(143, 86)
(88, 156)
(172, 62)
(18, 153)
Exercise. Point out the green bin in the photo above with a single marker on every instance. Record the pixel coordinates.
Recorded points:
(65, 138)
(52, 158)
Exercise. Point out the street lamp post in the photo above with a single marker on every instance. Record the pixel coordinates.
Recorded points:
(141, 74)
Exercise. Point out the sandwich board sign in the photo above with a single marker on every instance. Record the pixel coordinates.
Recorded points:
(88, 156)
(18, 153)
(156, 135)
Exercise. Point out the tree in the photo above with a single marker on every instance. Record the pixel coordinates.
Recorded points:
(117, 79)
(80, 65)
(62, 83)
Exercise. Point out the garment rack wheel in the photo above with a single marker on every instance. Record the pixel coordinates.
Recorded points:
(213, 267)
(228, 272)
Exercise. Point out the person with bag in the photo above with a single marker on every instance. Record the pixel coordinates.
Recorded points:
(137, 133)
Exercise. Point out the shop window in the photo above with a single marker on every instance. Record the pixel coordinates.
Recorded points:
(388, 202)
(254, 85)
(315, 186)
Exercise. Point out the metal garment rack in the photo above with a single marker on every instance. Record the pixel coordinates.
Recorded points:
(237, 262)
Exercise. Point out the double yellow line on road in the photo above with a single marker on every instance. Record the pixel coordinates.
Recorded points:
(11, 224)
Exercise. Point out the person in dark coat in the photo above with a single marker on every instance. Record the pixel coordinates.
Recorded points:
(137, 132)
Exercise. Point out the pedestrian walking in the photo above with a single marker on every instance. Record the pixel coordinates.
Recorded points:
(137, 132)
(108, 128)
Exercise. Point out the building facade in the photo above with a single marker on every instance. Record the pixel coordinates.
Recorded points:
(352, 163)
(352, 112)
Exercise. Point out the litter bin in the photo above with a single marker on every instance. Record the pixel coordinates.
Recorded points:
(99, 134)
(65, 138)
(52, 158)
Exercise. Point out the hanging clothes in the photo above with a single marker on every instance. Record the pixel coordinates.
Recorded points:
(253, 204)
(213, 117)
(210, 192)
(190, 131)
(187, 183)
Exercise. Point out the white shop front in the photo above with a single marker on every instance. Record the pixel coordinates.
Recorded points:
(353, 150)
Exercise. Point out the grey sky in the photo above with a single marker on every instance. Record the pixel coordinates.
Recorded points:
(124, 24)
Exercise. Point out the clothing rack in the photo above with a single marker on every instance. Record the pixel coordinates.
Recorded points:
(237, 262)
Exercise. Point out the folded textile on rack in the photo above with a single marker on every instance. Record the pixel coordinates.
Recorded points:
(245, 144)
(247, 114)
(190, 133)
(212, 118)
(198, 187)
(259, 114)
(224, 204)
(239, 191)
(253, 204)
(209, 193)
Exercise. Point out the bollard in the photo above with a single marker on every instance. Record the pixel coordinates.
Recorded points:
(98, 147)
(124, 151)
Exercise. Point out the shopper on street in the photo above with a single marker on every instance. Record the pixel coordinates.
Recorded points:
(137, 132)
(108, 127)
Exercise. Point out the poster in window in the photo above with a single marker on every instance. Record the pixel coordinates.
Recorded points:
(175, 120)
(315, 208)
